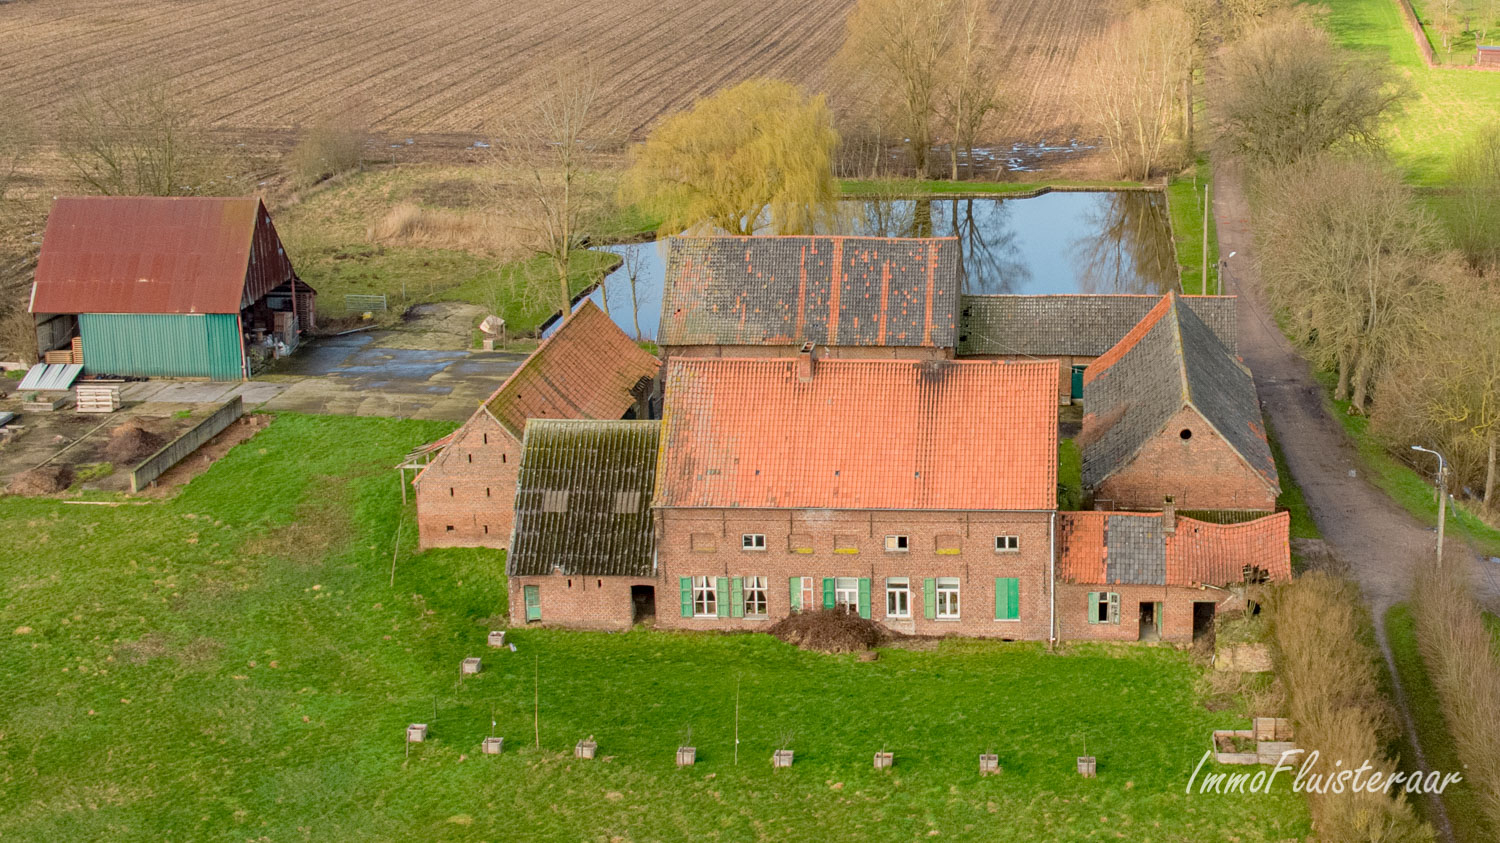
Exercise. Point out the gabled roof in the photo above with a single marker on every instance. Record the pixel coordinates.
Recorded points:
(1168, 361)
(860, 434)
(588, 369)
(1116, 548)
(583, 499)
(1072, 325)
(150, 254)
(877, 291)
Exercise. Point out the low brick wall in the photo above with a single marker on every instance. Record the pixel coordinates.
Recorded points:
(191, 440)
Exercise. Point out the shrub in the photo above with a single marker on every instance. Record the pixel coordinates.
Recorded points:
(324, 152)
(410, 224)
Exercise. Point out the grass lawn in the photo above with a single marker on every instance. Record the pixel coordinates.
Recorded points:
(1462, 803)
(1413, 491)
(1185, 200)
(1450, 104)
(1069, 475)
(1461, 50)
(234, 664)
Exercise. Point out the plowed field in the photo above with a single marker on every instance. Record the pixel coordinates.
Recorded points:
(450, 66)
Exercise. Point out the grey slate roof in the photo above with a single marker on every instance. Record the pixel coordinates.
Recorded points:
(878, 291)
(1170, 360)
(1073, 325)
(583, 499)
(1137, 551)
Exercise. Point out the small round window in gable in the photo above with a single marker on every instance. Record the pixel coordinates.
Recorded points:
(1186, 434)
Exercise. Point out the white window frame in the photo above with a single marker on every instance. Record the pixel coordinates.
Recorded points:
(897, 544)
(898, 587)
(812, 598)
(846, 593)
(705, 597)
(753, 541)
(949, 590)
(755, 596)
(1008, 544)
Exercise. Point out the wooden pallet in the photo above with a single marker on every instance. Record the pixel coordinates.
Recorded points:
(98, 398)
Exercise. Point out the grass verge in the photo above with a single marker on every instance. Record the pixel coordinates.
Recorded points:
(1185, 195)
(241, 648)
(1460, 800)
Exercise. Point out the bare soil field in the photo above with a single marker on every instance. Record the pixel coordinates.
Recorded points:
(450, 67)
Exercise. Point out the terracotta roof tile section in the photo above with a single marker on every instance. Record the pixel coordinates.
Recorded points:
(875, 291)
(1168, 361)
(1073, 325)
(1116, 548)
(147, 254)
(583, 499)
(588, 369)
(860, 434)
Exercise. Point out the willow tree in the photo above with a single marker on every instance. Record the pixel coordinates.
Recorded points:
(1345, 253)
(760, 149)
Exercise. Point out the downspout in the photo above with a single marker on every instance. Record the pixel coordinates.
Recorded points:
(1052, 580)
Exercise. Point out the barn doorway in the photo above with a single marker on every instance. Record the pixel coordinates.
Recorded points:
(1203, 621)
(1150, 621)
(642, 604)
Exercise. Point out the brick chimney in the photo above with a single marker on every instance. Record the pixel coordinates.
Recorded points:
(1169, 515)
(805, 363)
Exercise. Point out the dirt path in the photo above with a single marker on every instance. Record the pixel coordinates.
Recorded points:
(1378, 539)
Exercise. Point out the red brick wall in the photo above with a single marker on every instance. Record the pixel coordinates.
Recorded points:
(847, 352)
(466, 497)
(1202, 472)
(1177, 611)
(583, 602)
(976, 564)
(1065, 372)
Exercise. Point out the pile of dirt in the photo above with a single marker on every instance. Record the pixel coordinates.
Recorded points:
(830, 631)
(130, 443)
(47, 480)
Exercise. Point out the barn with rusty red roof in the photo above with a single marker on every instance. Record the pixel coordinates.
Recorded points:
(168, 286)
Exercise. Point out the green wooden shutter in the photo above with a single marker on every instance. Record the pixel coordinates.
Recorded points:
(864, 597)
(1114, 608)
(828, 592)
(794, 588)
(533, 603)
(929, 598)
(721, 590)
(737, 597)
(687, 595)
(1093, 607)
(1013, 593)
(1007, 598)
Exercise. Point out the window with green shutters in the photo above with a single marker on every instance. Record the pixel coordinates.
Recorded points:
(1104, 607)
(533, 603)
(737, 597)
(929, 598)
(864, 597)
(686, 583)
(721, 588)
(1007, 598)
(828, 596)
(794, 589)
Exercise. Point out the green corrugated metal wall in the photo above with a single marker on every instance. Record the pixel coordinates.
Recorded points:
(173, 345)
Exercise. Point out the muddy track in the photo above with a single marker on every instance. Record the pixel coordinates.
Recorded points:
(1381, 543)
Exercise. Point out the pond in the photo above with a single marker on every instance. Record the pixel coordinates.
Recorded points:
(1076, 242)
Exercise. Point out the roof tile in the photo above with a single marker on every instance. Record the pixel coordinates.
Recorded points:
(1116, 548)
(1073, 325)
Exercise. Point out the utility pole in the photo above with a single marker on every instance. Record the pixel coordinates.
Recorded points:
(1442, 481)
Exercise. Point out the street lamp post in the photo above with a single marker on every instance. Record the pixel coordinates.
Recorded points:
(1442, 480)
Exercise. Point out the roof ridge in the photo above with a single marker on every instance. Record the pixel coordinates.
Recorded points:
(1176, 325)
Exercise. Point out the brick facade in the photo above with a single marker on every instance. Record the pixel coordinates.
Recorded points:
(583, 602)
(850, 543)
(824, 352)
(1201, 471)
(1176, 607)
(466, 496)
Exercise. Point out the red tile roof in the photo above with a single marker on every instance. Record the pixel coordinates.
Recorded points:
(861, 434)
(147, 254)
(588, 369)
(1197, 552)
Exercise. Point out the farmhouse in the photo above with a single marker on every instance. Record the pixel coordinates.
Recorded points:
(862, 297)
(920, 493)
(588, 369)
(168, 287)
(1170, 414)
(1074, 329)
(583, 550)
(1160, 576)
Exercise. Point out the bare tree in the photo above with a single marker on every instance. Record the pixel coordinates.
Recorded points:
(1138, 68)
(1476, 174)
(544, 180)
(973, 91)
(1344, 250)
(141, 138)
(904, 48)
(1285, 92)
(1445, 19)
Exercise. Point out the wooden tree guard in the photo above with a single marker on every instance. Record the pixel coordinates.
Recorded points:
(471, 665)
(687, 756)
(884, 760)
(416, 733)
(492, 746)
(497, 638)
(781, 758)
(1086, 766)
(585, 749)
(989, 765)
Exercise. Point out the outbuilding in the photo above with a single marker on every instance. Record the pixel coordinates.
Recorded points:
(191, 287)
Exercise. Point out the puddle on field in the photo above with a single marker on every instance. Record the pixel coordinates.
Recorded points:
(1075, 242)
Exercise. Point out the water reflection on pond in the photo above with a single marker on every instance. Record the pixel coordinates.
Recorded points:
(1093, 242)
